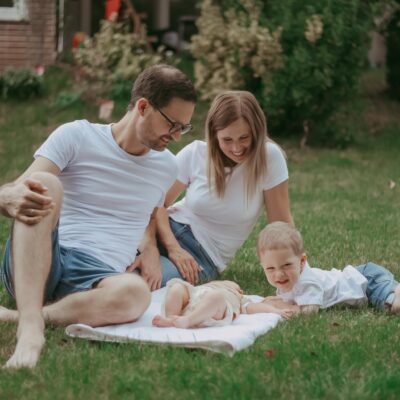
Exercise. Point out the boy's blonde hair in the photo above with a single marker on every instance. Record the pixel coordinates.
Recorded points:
(280, 235)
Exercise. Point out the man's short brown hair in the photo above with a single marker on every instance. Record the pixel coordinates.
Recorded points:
(159, 84)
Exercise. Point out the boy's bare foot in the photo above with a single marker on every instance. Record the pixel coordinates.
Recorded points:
(162, 322)
(29, 346)
(181, 322)
(7, 315)
(395, 309)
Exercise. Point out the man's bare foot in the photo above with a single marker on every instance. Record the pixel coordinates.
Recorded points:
(181, 322)
(7, 315)
(29, 346)
(395, 309)
(162, 322)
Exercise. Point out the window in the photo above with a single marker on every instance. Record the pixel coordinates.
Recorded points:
(13, 10)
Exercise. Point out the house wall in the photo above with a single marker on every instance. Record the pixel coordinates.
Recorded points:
(30, 42)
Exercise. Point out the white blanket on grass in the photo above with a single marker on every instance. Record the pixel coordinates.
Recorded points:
(225, 339)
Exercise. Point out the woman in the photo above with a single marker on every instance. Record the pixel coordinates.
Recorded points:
(228, 180)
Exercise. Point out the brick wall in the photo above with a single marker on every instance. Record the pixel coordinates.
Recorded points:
(31, 42)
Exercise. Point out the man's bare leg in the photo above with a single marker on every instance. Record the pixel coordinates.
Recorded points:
(7, 315)
(31, 256)
(117, 299)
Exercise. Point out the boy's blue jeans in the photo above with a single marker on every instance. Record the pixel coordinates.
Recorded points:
(187, 241)
(381, 283)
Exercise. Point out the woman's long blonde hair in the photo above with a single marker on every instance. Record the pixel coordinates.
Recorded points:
(227, 108)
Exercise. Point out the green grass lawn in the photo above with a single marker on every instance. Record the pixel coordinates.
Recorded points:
(342, 203)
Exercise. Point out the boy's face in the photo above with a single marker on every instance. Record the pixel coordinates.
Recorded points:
(282, 267)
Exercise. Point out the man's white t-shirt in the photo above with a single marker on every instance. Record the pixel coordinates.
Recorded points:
(109, 194)
(327, 288)
(222, 225)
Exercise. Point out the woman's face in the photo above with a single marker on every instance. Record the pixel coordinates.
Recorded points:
(235, 140)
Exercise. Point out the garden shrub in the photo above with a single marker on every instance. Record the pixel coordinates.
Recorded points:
(393, 55)
(20, 84)
(316, 52)
(114, 57)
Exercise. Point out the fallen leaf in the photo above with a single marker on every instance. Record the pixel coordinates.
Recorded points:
(392, 184)
(270, 353)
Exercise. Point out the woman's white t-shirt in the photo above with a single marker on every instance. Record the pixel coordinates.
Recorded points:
(222, 225)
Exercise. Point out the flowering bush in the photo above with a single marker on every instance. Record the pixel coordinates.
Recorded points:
(300, 72)
(393, 54)
(232, 49)
(114, 57)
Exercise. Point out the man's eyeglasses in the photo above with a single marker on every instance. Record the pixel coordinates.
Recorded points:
(176, 126)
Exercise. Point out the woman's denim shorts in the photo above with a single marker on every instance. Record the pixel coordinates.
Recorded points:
(188, 242)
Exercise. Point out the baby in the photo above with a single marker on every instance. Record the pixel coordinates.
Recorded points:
(215, 303)
(281, 252)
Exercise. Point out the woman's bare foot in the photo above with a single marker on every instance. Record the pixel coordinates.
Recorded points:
(29, 345)
(7, 315)
(395, 309)
(162, 322)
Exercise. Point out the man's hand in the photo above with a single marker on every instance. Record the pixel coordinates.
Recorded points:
(185, 263)
(26, 201)
(148, 262)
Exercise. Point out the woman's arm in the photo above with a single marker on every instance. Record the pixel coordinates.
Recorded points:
(184, 261)
(276, 202)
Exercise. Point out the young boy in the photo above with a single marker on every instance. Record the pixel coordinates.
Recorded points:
(281, 252)
(215, 303)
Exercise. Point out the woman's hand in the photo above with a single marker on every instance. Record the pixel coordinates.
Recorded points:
(185, 263)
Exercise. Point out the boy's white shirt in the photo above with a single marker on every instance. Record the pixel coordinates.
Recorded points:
(327, 288)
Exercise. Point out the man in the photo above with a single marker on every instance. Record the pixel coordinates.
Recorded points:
(81, 209)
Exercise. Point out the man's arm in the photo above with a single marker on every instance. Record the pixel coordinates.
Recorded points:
(148, 261)
(25, 199)
(183, 260)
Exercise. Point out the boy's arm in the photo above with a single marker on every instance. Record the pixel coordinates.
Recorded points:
(309, 309)
(284, 309)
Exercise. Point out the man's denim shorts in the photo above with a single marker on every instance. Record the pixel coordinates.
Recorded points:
(381, 283)
(71, 271)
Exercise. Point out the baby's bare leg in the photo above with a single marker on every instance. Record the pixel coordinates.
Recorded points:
(176, 299)
(395, 309)
(212, 305)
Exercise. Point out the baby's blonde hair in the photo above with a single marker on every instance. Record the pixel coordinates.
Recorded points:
(280, 235)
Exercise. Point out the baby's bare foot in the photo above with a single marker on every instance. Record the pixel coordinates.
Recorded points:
(181, 322)
(162, 322)
(7, 315)
(395, 309)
